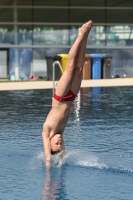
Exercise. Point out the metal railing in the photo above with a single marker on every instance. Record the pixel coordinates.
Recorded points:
(56, 63)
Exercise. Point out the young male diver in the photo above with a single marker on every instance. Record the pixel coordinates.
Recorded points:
(65, 92)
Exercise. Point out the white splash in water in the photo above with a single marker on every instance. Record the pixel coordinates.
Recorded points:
(80, 158)
(36, 161)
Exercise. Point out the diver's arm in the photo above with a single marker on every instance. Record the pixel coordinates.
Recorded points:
(46, 144)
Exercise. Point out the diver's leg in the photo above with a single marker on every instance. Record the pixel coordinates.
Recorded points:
(79, 65)
(66, 80)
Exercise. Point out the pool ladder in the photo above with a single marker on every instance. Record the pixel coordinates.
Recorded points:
(55, 64)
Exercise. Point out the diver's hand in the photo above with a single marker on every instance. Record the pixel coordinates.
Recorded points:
(48, 164)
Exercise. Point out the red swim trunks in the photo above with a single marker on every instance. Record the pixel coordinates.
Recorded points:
(69, 97)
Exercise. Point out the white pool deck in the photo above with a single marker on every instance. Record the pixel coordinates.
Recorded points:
(30, 85)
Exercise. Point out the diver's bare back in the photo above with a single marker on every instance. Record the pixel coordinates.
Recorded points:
(57, 117)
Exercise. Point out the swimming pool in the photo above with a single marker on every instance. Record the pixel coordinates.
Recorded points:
(98, 140)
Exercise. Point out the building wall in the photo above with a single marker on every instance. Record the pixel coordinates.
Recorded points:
(50, 27)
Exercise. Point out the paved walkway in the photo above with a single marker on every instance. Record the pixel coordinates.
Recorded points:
(29, 85)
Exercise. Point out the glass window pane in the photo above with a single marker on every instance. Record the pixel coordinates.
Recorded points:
(5, 3)
(24, 2)
(119, 35)
(83, 15)
(122, 62)
(87, 3)
(20, 63)
(51, 15)
(51, 35)
(119, 3)
(97, 36)
(25, 34)
(15, 14)
(66, 35)
(15, 34)
(6, 15)
(119, 16)
(24, 15)
(51, 3)
(16, 2)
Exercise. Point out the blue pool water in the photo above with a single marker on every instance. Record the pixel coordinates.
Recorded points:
(99, 146)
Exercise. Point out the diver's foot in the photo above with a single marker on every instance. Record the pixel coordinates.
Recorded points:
(85, 29)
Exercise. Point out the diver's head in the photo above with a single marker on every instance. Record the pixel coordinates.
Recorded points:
(55, 143)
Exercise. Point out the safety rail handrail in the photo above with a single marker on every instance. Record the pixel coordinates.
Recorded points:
(56, 63)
